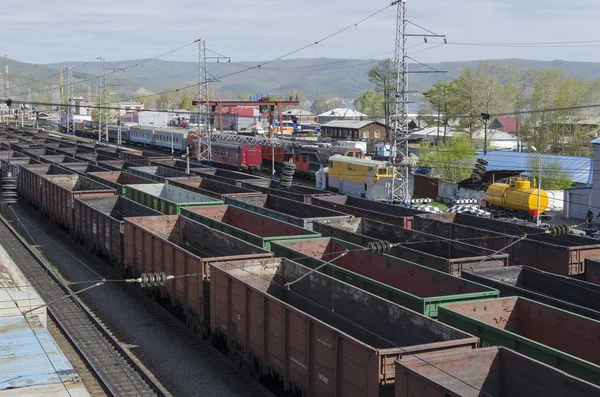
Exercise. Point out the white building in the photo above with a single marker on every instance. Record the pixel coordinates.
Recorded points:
(341, 114)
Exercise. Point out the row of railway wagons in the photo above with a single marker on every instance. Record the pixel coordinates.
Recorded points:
(364, 325)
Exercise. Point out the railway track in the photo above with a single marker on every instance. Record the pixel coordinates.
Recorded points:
(116, 370)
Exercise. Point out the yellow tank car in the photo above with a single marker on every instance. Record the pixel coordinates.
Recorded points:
(517, 195)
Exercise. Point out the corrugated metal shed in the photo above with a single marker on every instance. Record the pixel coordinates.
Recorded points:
(580, 169)
(16, 295)
(32, 364)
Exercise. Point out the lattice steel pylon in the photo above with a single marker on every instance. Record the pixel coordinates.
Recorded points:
(398, 189)
(2, 93)
(103, 132)
(204, 144)
(70, 110)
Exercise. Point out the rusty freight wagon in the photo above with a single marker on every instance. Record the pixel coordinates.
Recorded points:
(592, 270)
(560, 255)
(213, 188)
(83, 168)
(232, 177)
(564, 292)
(416, 287)
(13, 165)
(166, 198)
(286, 210)
(553, 336)
(425, 249)
(118, 180)
(249, 226)
(375, 210)
(490, 371)
(303, 194)
(158, 174)
(115, 165)
(29, 181)
(59, 192)
(174, 164)
(99, 223)
(319, 335)
(177, 246)
(143, 159)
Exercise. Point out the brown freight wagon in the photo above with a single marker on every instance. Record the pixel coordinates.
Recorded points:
(422, 248)
(174, 164)
(143, 159)
(178, 246)
(359, 207)
(490, 371)
(99, 223)
(213, 188)
(29, 181)
(320, 335)
(59, 192)
(560, 255)
(303, 194)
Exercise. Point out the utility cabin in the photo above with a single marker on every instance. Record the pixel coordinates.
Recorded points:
(364, 178)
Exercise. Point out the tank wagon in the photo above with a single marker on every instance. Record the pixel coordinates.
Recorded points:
(517, 197)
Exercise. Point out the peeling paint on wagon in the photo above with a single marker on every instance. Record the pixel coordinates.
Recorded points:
(257, 229)
(316, 339)
(408, 284)
(492, 371)
(177, 245)
(166, 198)
(425, 249)
(556, 337)
(286, 210)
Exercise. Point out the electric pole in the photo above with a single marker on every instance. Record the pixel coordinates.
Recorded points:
(70, 110)
(204, 141)
(102, 93)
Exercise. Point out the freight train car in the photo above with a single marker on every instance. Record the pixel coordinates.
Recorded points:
(237, 156)
(517, 197)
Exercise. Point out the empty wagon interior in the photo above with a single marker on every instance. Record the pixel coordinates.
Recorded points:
(118, 207)
(251, 222)
(406, 276)
(77, 183)
(565, 288)
(195, 237)
(368, 318)
(547, 325)
(418, 241)
(172, 193)
(300, 210)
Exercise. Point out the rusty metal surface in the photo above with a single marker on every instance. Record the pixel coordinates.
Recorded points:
(249, 226)
(29, 181)
(213, 188)
(141, 158)
(557, 337)
(564, 292)
(422, 248)
(99, 223)
(118, 180)
(592, 270)
(336, 203)
(302, 194)
(180, 246)
(83, 168)
(564, 256)
(59, 192)
(320, 335)
(291, 211)
(493, 371)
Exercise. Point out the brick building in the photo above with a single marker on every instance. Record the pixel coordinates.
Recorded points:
(354, 130)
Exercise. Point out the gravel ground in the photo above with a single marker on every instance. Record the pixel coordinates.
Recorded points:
(181, 369)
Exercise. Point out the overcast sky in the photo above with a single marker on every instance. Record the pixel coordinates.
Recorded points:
(249, 30)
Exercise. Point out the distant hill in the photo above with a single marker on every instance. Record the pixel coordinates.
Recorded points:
(346, 78)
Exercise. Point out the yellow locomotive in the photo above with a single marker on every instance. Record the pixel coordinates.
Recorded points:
(517, 197)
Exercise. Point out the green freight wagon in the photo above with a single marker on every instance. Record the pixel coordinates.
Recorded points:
(118, 180)
(246, 225)
(413, 286)
(166, 198)
(559, 338)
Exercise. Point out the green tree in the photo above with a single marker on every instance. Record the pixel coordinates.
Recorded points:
(383, 77)
(321, 105)
(452, 160)
(371, 103)
(186, 102)
(553, 175)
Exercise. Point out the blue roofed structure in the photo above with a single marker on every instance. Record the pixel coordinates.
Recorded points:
(32, 364)
(580, 169)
